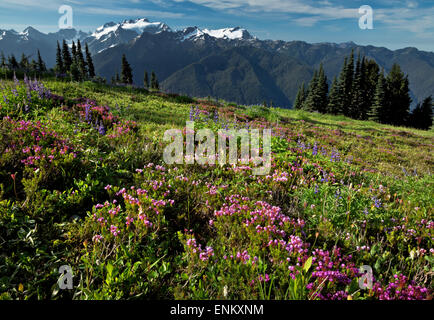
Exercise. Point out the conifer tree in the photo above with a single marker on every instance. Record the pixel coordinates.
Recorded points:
(118, 79)
(89, 62)
(75, 71)
(59, 60)
(67, 60)
(341, 88)
(371, 71)
(41, 64)
(24, 63)
(154, 81)
(73, 52)
(347, 85)
(422, 116)
(12, 62)
(334, 101)
(398, 95)
(301, 96)
(377, 111)
(309, 103)
(316, 99)
(322, 91)
(126, 72)
(3, 63)
(80, 61)
(146, 80)
(356, 107)
(34, 67)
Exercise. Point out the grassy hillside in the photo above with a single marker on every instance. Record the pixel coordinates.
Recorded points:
(83, 183)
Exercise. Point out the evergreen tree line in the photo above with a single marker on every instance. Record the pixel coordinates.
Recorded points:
(25, 65)
(363, 91)
(74, 63)
(126, 76)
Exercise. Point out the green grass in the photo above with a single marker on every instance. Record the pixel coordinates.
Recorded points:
(373, 201)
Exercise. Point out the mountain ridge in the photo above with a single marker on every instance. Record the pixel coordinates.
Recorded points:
(171, 53)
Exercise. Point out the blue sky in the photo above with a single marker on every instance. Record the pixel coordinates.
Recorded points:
(397, 23)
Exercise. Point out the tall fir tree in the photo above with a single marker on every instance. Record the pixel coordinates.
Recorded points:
(347, 86)
(146, 80)
(74, 53)
(41, 64)
(12, 62)
(341, 88)
(126, 72)
(334, 101)
(89, 62)
(74, 70)
(81, 62)
(67, 60)
(3, 63)
(379, 108)
(398, 95)
(422, 115)
(34, 67)
(316, 99)
(154, 81)
(301, 96)
(59, 60)
(358, 97)
(24, 63)
(322, 91)
(309, 103)
(371, 71)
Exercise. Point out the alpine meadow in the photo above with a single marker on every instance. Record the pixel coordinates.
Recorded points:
(343, 211)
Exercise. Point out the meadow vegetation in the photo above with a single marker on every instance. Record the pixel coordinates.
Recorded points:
(83, 183)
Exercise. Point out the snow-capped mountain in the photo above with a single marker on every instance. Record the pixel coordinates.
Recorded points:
(194, 33)
(228, 63)
(112, 34)
(138, 26)
(108, 36)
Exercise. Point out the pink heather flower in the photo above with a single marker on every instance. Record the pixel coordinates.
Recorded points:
(114, 230)
(129, 220)
(108, 187)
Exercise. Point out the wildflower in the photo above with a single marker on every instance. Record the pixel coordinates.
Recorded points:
(101, 129)
(315, 149)
(114, 230)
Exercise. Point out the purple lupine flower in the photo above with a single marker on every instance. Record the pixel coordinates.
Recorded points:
(315, 149)
(101, 129)
(88, 116)
(191, 114)
(334, 156)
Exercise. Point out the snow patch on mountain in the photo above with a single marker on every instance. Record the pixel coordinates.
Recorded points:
(237, 33)
(139, 26)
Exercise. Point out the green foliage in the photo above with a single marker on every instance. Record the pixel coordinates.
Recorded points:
(341, 193)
